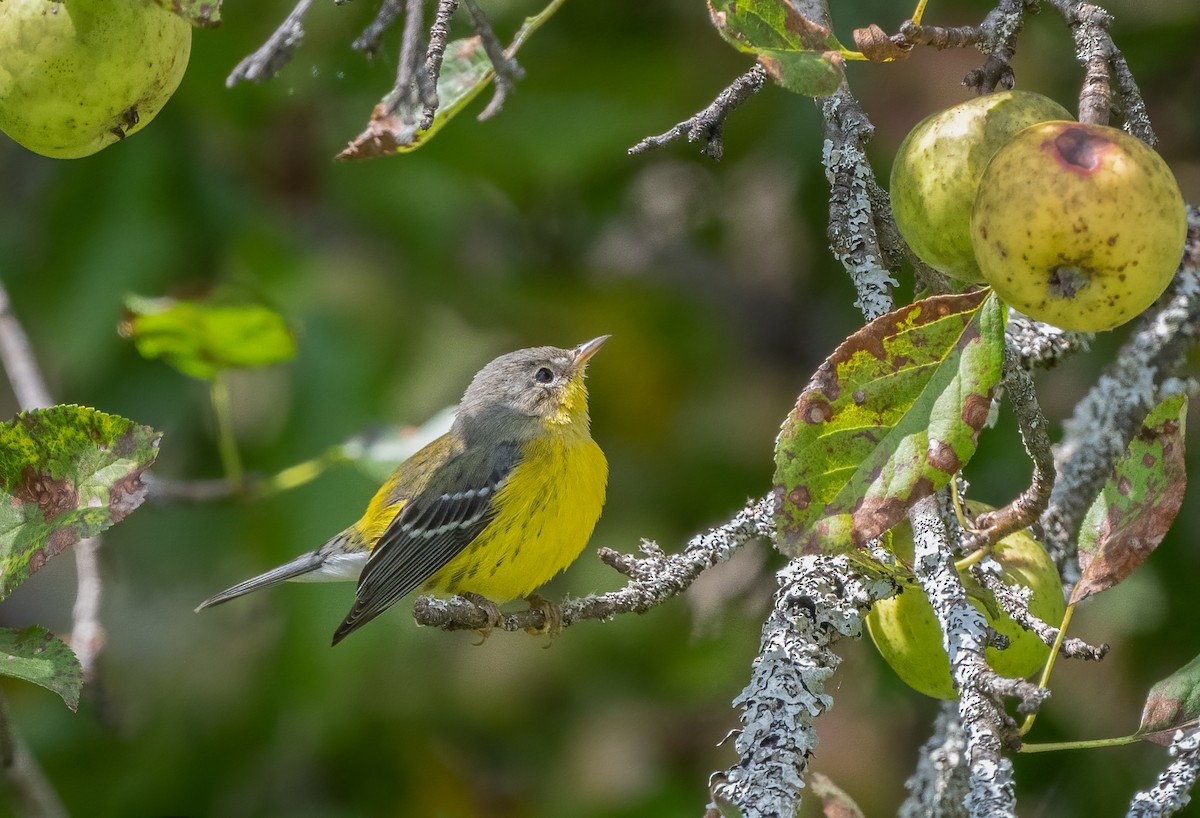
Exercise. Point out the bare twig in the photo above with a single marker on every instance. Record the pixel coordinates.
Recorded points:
(1000, 29)
(1024, 511)
(275, 52)
(35, 795)
(507, 71)
(16, 353)
(412, 79)
(940, 37)
(439, 35)
(368, 42)
(1015, 602)
(653, 579)
(707, 125)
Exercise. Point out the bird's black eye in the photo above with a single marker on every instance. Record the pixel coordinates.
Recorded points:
(543, 375)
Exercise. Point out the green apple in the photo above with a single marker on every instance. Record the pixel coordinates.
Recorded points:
(936, 173)
(906, 632)
(78, 75)
(1080, 226)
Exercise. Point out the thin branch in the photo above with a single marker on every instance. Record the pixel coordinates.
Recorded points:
(35, 796)
(653, 579)
(369, 41)
(1000, 29)
(275, 53)
(1035, 435)
(987, 726)
(940, 37)
(1015, 602)
(16, 354)
(409, 69)
(1041, 345)
(707, 125)
(439, 35)
(507, 71)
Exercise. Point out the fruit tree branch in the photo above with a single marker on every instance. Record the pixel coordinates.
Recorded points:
(275, 53)
(708, 124)
(1170, 792)
(820, 600)
(939, 784)
(1000, 29)
(653, 579)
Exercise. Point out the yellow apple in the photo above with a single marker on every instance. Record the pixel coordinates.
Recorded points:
(1080, 226)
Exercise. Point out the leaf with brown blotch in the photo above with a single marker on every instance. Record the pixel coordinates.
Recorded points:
(1137, 505)
(66, 473)
(1173, 703)
(887, 419)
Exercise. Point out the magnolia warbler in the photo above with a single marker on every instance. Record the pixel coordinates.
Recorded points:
(495, 507)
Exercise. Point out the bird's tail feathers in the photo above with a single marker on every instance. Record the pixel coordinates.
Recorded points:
(304, 564)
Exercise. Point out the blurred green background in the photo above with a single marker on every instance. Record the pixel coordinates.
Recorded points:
(404, 276)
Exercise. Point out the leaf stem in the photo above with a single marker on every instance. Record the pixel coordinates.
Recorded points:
(1055, 746)
(301, 473)
(231, 460)
(1049, 666)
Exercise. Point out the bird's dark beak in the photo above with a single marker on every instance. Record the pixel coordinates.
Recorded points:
(584, 352)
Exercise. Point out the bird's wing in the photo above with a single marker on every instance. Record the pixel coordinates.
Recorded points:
(432, 529)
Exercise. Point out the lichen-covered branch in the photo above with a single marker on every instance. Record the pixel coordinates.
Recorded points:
(1170, 792)
(820, 600)
(1041, 345)
(938, 787)
(852, 196)
(507, 70)
(707, 125)
(1014, 600)
(654, 578)
(1144, 371)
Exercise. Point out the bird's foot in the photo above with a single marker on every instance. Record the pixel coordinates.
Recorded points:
(495, 619)
(552, 616)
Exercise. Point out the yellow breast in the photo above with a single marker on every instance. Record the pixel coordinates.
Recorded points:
(548, 508)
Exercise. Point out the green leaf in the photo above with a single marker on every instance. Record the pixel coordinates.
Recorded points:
(1137, 505)
(203, 337)
(888, 419)
(200, 13)
(800, 55)
(1172, 703)
(36, 655)
(66, 473)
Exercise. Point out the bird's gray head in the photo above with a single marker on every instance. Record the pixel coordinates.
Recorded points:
(521, 388)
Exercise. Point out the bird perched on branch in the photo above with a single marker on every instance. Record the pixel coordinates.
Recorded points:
(494, 508)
